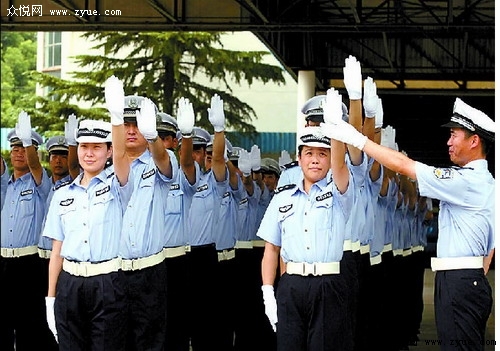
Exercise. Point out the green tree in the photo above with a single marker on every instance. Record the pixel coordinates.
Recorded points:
(162, 66)
(18, 60)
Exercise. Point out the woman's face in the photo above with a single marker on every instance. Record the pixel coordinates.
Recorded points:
(315, 163)
(92, 156)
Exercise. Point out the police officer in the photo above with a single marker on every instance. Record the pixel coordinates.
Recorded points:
(293, 227)
(177, 239)
(58, 150)
(167, 130)
(86, 301)
(466, 220)
(143, 235)
(23, 209)
(212, 184)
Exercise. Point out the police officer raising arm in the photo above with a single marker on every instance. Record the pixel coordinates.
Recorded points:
(466, 219)
(305, 224)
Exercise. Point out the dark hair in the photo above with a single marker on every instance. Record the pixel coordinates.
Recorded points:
(485, 143)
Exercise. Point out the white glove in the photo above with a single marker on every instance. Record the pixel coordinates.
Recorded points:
(332, 108)
(343, 131)
(146, 120)
(23, 129)
(216, 113)
(70, 130)
(284, 158)
(370, 98)
(51, 318)
(270, 305)
(255, 157)
(428, 203)
(352, 78)
(185, 117)
(385, 138)
(115, 99)
(379, 115)
(245, 163)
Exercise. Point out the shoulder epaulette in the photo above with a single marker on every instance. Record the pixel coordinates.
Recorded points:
(291, 165)
(61, 184)
(110, 175)
(284, 187)
(457, 167)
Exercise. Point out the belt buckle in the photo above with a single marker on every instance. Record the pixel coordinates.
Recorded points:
(81, 269)
(128, 265)
(308, 269)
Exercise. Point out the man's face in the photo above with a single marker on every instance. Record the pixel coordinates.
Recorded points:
(459, 146)
(169, 142)
(134, 140)
(18, 158)
(58, 163)
(270, 180)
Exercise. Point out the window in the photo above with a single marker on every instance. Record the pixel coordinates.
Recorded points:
(52, 43)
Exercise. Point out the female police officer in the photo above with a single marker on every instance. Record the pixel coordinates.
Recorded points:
(305, 224)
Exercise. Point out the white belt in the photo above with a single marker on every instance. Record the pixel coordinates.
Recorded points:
(19, 251)
(143, 262)
(355, 246)
(258, 243)
(225, 255)
(375, 260)
(317, 268)
(44, 253)
(417, 248)
(406, 252)
(449, 263)
(387, 248)
(365, 249)
(397, 252)
(89, 269)
(243, 245)
(347, 245)
(170, 252)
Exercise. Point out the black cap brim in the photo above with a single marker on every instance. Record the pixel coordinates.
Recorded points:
(453, 125)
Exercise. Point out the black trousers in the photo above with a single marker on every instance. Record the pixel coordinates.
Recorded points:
(91, 312)
(252, 330)
(146, 291)
(312, 313)
(177, 326)
(23, 316)
(202, 265)
(462, 302)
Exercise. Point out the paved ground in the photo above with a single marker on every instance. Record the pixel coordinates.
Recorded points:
(428, 327)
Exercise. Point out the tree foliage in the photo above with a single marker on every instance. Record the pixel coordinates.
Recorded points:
(163, 66)
(18, 59)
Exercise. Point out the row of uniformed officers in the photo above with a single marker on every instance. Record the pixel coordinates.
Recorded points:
(155, 252)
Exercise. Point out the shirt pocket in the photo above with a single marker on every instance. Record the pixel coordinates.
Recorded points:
(68, 214)
(174, 203)
(27, 204)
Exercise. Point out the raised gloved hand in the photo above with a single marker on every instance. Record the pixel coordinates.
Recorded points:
(379, 114)
(332, 108)
(370, 98)
(185, 117)
(385, 137)
(23, 128)
(352, 78)
(146, 120)
(284, 159)
(271, 307)
(343, 131)
(70, 127)
(245, 162)
(115, 99)
(255, 157)
(51, 318)
(216, 113)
